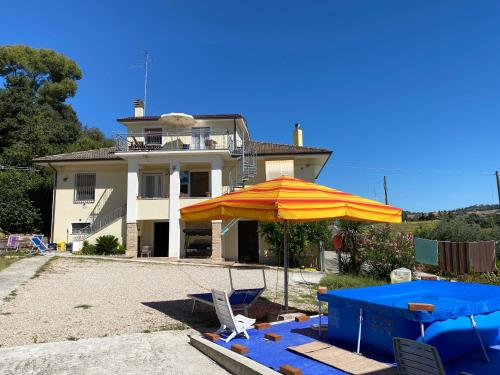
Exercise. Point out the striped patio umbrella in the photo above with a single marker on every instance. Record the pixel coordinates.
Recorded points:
(286, 199)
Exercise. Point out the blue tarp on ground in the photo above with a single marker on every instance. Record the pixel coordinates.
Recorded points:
(451, 299)
(275, 354)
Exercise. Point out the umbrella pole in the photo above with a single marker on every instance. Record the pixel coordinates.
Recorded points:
(285, 258)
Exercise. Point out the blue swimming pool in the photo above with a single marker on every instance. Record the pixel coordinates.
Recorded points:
(386, 315)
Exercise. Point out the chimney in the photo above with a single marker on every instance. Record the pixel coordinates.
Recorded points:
(297, 135)
(138, 108)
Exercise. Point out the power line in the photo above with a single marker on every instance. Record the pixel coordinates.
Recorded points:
(11, 167)
(416, 170)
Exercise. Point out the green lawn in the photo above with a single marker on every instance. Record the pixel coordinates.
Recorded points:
(341, 281)
(7, 261)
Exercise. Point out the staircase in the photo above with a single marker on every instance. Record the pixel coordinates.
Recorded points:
(246, 167)
(97, 219)
(101, 222)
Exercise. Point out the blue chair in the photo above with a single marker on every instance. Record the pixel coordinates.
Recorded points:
(37, 242)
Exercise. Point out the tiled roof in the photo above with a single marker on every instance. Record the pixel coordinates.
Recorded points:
(108, 153)
(198, 117)
(268, 148)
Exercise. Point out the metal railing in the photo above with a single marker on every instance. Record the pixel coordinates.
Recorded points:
(175, 141)
(101, 222)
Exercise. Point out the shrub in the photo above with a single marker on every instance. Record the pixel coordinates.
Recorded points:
(457, 229)
(107, 244)
(300, 236)
(351, 259)
(385, 250)
(348, 281)
(88, 249)
(121, 249)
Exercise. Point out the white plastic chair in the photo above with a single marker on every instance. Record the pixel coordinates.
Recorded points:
(228, 322)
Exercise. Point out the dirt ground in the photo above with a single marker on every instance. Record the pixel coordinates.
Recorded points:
(81, 298)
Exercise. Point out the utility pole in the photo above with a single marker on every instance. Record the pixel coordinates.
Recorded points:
(385, 189)
(498, 187)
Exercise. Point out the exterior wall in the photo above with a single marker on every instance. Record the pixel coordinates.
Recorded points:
(111, 182)
(117, 228)
(113, 176)
(153, 209)
(215, 125)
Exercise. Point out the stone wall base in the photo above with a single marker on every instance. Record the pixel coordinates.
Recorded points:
(131, 250)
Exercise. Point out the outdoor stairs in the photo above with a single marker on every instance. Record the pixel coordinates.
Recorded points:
(246, 168)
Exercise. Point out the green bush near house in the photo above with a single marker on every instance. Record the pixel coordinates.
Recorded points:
(385, 250)
(121, 249)
(106, 245)
(88, 249)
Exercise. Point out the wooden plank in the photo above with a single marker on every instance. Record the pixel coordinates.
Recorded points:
(419, 306)
(342, 359)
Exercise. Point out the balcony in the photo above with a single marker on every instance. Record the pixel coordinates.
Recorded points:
(195, 139)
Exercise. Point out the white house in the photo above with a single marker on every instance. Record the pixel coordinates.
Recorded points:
(162, 163)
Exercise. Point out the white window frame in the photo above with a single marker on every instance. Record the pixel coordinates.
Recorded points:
(196, 134)
(76, 197)
(160, 194)
(72, 231)
(188, 194)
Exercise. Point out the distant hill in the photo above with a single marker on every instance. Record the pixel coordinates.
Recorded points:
(482, 214)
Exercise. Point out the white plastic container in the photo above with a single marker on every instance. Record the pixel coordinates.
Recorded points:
(400, 275)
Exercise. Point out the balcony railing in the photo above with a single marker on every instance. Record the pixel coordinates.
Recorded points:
(174, 141)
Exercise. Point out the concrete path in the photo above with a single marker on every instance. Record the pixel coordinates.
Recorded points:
(165, 352)
(19, 272)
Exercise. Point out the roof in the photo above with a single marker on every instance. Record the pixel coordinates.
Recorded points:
(108, 153)
(198, 117)
(268, 148)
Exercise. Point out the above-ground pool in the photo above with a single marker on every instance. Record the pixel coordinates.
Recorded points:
(386, 315)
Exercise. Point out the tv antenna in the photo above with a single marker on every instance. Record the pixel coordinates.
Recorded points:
(144, 65)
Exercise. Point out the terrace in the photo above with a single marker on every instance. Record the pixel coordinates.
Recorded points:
(202, 138)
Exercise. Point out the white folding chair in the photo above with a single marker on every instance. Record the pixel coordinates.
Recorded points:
(228, 322)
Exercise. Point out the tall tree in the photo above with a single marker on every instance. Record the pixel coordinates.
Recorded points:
(36, 120)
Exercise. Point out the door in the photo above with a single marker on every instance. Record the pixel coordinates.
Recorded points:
(161, 239)
(248, 242)
(198, 137)
(199, 184)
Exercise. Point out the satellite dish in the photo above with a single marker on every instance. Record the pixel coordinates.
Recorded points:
(177, 119)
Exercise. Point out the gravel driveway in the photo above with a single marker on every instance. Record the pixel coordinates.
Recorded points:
(82, 298)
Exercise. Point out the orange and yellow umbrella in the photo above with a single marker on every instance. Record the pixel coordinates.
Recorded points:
(291, 199)
(287, 199)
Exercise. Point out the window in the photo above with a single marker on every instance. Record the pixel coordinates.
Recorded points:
(199, 137)
(80, 228)
(199, 184)
(184, 177)
(152, 137)
(85, 187)
(152, 185)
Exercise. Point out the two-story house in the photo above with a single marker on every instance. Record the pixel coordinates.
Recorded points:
(161, 164)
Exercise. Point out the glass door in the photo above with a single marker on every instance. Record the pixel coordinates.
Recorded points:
(199, 137)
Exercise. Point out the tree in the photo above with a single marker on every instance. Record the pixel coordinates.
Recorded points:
(350, 256)
(35, 120)
(300, 236)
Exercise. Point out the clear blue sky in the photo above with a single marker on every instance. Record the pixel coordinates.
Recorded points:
(411, 85)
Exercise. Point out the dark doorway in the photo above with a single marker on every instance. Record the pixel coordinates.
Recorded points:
(199, 184)
(161, 239)
(248, 242)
